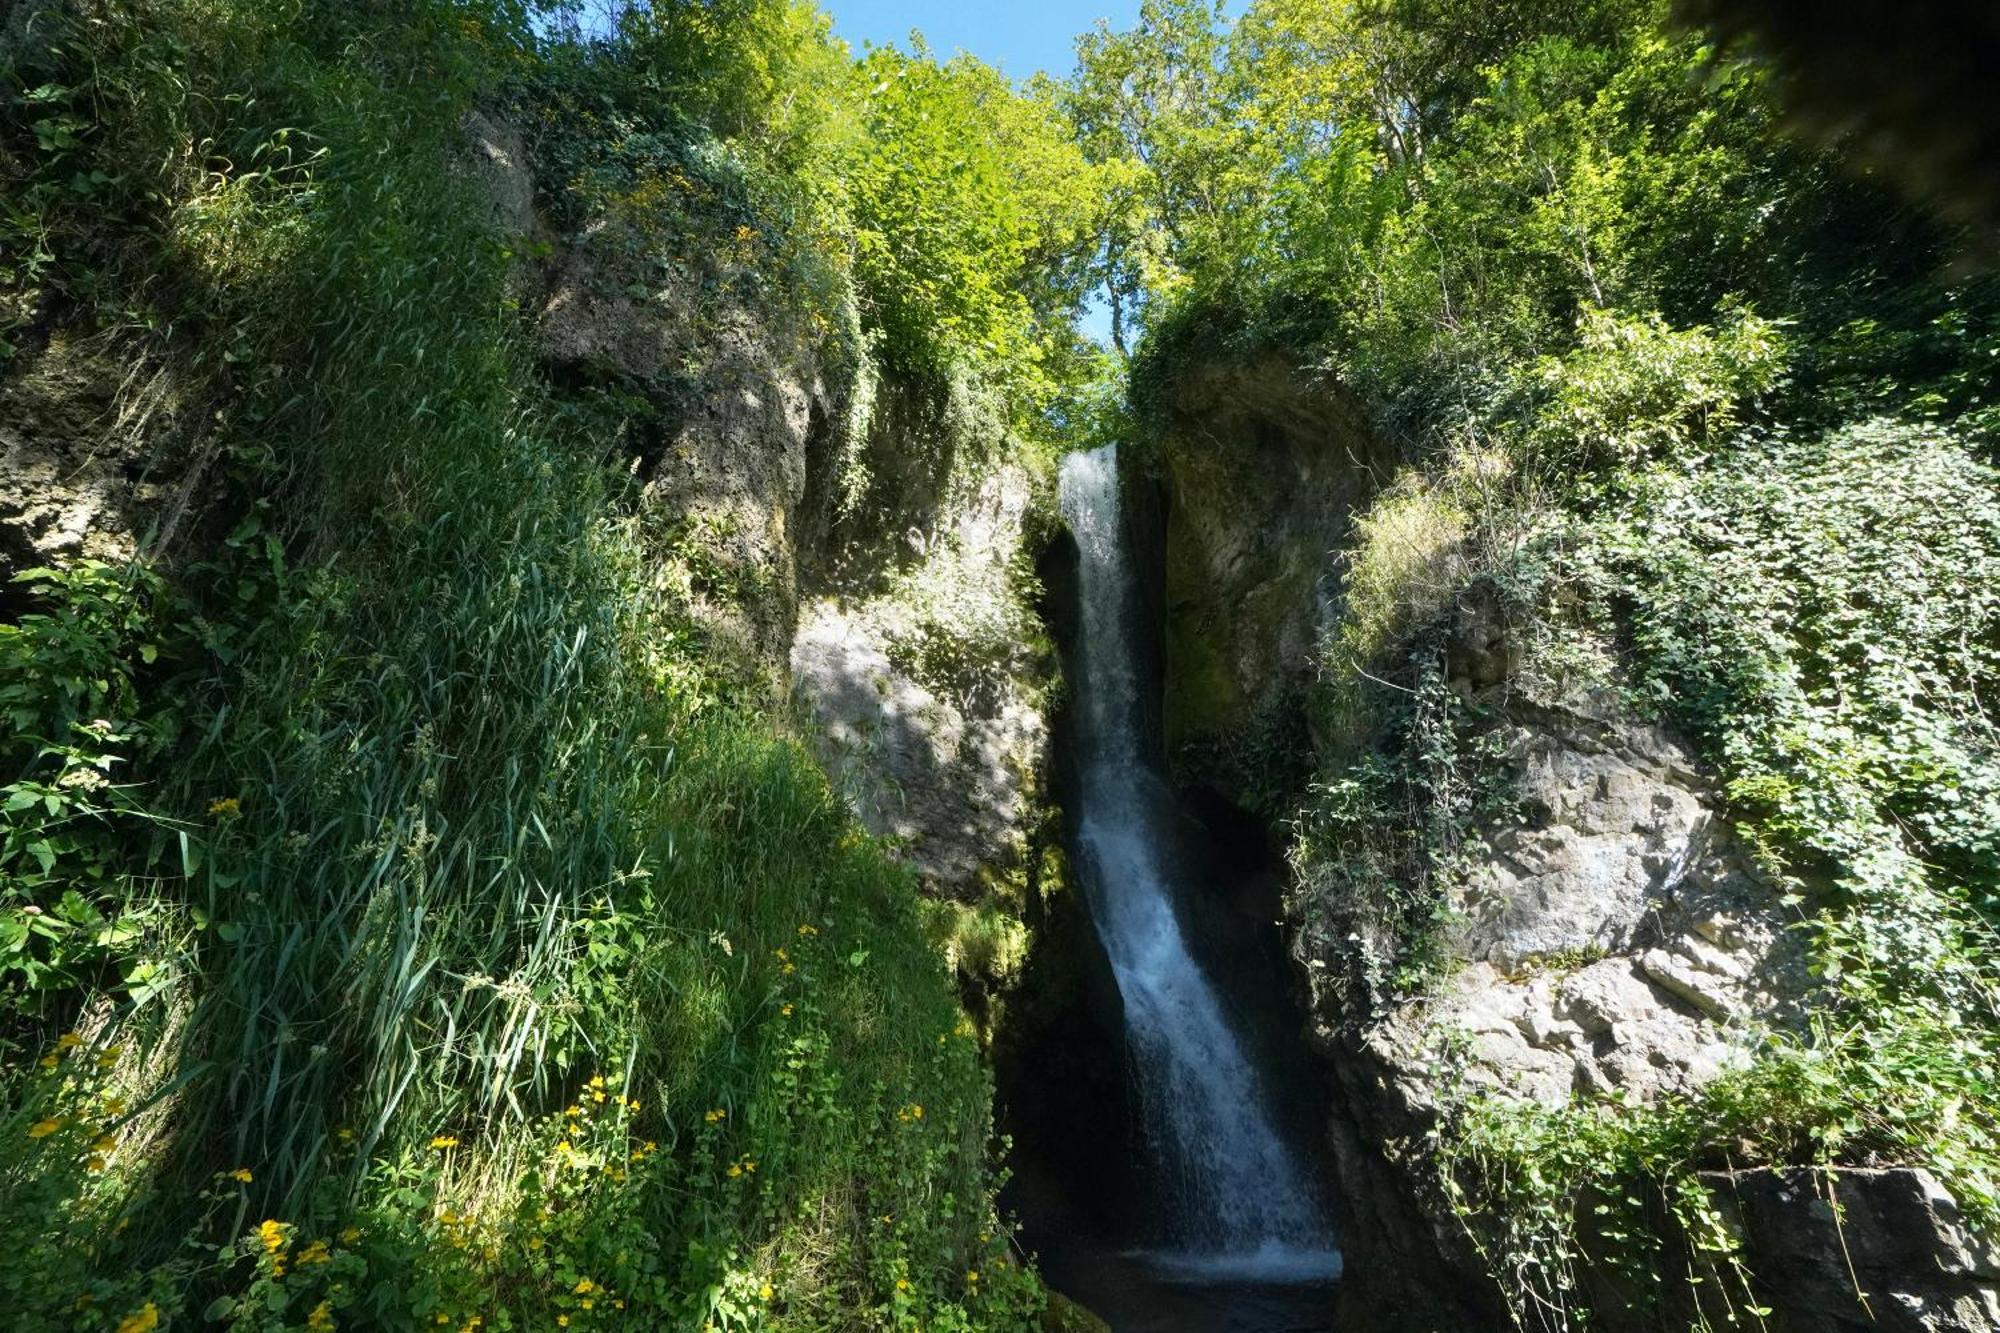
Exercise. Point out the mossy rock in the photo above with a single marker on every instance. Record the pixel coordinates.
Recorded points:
(1066, 1316)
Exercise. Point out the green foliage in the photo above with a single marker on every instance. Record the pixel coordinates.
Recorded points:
(1388, 834)
(1819, 611)
(1703, 417)
(1580, 1209)
(965, 192)
(441, 808)
(75, 721)
(964, 620)
(1633, 389)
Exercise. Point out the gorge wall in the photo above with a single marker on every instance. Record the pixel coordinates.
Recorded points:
(1604, 933)
(825, 530)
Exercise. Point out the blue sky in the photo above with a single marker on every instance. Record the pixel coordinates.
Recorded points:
(1020, 36)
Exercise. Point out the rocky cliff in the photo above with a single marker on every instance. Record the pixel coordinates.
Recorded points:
(826, 535)
(1262, 467)
(1604, 937)
(850, 541)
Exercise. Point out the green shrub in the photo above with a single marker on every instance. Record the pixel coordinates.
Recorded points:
(431, 806)
(1634, 388)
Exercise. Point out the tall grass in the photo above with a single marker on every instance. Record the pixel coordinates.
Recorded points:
(455, 831)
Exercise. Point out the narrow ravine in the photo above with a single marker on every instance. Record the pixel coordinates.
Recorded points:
(1234, 1203)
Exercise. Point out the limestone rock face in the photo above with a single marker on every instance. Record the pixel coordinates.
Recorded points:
(495, 156)
(1615, 941)
(734, 442)
(1821, 1237)
(80, 471)
(1263, 467)
(725, 388)
(949, 776)
(733, 391)
(1619, 822)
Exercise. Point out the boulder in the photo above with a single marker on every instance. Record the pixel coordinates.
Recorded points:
(1860, 1251)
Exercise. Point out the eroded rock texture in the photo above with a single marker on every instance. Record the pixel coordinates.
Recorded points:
(1612, 941)
(1862, 1251)
(1264, 466)
(82, 470)
(951, 776)
(1615, 941)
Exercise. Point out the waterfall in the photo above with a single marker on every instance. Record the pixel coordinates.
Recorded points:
(1237, 1204)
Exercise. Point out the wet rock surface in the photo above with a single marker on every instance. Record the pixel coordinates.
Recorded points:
(1263, 465)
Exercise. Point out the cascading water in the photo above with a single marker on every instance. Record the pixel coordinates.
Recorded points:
(1237, 1204)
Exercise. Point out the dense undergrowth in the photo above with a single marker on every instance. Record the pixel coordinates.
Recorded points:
(405, 922)
(1699, 416)
(411, 915)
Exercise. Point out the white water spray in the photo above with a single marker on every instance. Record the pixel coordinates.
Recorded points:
(1240, 1209)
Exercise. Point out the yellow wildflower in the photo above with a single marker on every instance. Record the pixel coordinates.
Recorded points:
(321, 1318)
(349, 1235)
(562, 1321)
(584, 1286)
(241, 1173)
(716, 1115)
(735, 1171)
(315, 1253)
(93, 1164)
(50, 1061)
(444, 1141)
(142, 1320)
(972, 1276)
(586, 1303)
(68, 1041)
(807, 930)
(41, 1129)
(227, 807)
(786, 1010)
(273, 1235)
(766, 1292)
(902, 1284)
